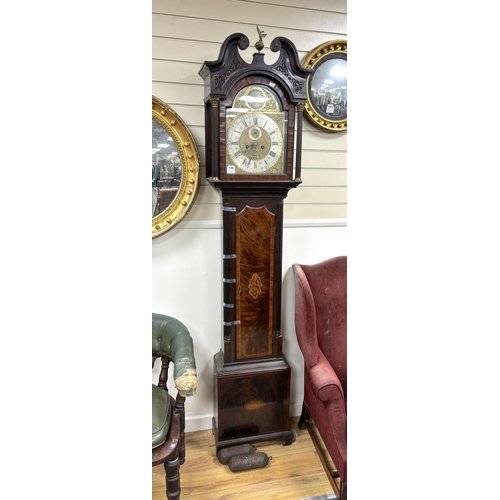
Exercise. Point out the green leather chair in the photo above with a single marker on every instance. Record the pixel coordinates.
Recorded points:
(172, 342)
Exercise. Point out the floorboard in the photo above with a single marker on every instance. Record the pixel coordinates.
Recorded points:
(294, 472)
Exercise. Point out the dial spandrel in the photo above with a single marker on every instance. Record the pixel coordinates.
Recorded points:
(255, 130)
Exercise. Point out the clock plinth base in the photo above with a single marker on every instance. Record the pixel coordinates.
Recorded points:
(252, 402)
(288, 438)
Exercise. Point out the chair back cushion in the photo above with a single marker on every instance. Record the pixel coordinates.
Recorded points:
(165, 330)
(161, 415)
(328, 284)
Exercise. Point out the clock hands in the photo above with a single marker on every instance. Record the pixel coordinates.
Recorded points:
(254, 143)
(251, 150)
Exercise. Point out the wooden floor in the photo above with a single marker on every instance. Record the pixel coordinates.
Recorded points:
(293, 473)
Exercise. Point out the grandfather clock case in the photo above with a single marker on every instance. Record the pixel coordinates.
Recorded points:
(253, 127)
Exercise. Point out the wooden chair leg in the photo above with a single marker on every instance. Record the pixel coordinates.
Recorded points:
(343, 491)
(172, 477)
(179, 406)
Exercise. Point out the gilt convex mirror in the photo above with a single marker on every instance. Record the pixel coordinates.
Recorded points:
(326, 106)
(175, 168)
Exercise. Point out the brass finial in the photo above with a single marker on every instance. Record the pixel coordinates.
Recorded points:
(260, 44)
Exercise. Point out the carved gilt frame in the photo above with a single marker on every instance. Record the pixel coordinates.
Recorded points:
(331, 114)
(190, 168)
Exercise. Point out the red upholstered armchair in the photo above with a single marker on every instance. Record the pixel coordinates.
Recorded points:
(321, 328)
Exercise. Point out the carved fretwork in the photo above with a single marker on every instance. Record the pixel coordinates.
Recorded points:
(298, 86)
(219, 80)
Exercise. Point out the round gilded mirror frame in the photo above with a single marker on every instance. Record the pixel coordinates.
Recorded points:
(331, 55)
(188, 164)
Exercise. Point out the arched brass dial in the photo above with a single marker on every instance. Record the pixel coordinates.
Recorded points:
(255, 133)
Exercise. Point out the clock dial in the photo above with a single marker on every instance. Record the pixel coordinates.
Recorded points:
(255, 132)
(255, 144)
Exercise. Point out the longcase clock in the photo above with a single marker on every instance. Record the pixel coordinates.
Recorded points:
(253, 128)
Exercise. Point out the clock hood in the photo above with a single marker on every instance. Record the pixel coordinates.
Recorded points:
(221, 74)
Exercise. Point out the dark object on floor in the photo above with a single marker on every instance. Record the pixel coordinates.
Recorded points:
(226, 453)
(247, 462)
(172, 342)
(321, 328)
(329, 496)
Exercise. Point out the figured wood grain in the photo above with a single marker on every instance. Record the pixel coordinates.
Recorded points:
(254, 279)
(293, 473)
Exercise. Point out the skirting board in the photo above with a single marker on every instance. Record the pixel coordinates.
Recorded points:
(204, 422)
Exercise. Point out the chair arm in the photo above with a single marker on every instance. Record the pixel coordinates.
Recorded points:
(182, 351)
(305, 317)
(187, 382)
(325, 383)
(172, 339)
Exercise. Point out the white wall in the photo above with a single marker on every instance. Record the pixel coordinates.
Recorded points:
(186, 262)
(187, 284)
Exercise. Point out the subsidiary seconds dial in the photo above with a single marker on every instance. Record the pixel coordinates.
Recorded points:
(254, 144)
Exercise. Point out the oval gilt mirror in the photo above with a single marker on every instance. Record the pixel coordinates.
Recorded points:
(175, 168)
